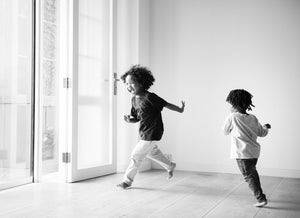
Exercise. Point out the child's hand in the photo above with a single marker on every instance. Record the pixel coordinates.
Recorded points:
(127, 118)
(268, 126)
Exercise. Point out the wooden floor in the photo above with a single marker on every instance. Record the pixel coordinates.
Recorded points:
(188, 194)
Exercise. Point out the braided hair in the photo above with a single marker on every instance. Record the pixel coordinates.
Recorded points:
(240, 99)
(141, 75)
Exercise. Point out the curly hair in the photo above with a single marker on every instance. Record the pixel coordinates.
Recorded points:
(141, 75)
(240, 99)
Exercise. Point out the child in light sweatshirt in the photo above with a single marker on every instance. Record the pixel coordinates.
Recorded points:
(244, 129)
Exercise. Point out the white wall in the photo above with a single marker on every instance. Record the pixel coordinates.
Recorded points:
(200, 50)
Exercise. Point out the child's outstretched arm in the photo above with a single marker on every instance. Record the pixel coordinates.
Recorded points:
(175, 107)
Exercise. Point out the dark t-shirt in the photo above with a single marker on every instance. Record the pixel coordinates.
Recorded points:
(147, 109)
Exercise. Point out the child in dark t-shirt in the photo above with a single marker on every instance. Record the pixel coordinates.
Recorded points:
(146, 109)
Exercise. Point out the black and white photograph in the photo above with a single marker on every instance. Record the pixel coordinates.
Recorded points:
(149, 108)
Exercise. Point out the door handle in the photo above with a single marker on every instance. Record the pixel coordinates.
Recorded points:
(116, 83)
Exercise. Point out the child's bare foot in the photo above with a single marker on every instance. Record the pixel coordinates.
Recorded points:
(170, 172)
(124, 185)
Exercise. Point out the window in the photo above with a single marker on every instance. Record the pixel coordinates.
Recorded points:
(16, 74)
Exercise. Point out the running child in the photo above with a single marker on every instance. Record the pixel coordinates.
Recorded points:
(146, 109)
(244, 129)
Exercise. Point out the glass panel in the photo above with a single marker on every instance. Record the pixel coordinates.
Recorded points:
(93, 85)
(49, 82)
(15, 91)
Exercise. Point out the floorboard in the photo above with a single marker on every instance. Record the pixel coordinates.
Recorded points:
(186, 195)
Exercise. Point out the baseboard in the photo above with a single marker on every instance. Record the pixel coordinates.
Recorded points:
(289, 173)
(279, 172)
(148, 165)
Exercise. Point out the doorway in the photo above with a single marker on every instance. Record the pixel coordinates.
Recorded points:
(57, 90)
(92, 94)
(77, 89)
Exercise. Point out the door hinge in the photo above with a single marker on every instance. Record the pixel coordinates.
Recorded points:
(67, 82)
(66, 157)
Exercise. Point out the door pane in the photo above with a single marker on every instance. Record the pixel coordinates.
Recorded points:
(15, 92)
(49, 59)
(94, 146)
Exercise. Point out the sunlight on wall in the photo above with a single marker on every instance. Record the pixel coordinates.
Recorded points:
(200, 50)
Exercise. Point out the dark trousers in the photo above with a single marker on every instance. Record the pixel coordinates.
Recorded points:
(248, 170)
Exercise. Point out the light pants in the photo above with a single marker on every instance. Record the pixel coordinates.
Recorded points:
(142, 150)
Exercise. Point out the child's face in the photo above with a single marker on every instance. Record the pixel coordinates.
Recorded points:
(132, 86)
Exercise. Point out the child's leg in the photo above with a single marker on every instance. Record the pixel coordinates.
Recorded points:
(157, 156)
(248, 169)
(138, 154)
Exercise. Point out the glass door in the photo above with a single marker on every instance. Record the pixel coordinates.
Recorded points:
(16, 92)
(93, 145)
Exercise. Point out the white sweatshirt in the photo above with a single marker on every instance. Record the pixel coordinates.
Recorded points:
(244, 130)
